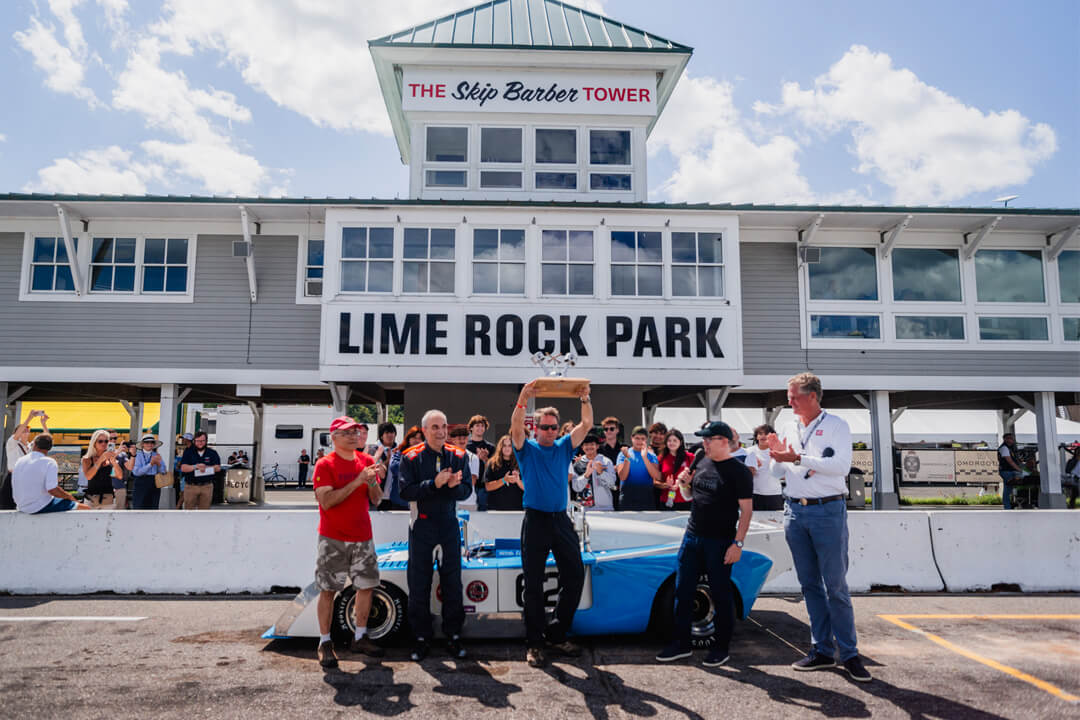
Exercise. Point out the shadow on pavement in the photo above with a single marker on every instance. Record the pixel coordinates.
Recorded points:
(601, 689)
(372, 688)
(470, 679)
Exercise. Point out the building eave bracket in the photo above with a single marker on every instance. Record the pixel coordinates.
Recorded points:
(246, 220)
(806, 234)
(980, 235)
(1063, 238)
(890, 236)
(69, 245)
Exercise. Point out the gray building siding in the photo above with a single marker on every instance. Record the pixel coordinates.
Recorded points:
(220, 329)
(770, 307)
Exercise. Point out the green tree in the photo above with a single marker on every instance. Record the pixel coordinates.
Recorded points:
(369, 414)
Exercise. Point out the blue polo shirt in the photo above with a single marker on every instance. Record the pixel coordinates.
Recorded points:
(544, 473)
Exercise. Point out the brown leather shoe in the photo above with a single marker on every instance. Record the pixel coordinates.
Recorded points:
(366, 646)
(327, 656)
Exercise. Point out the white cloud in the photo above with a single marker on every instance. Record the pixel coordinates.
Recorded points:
(219, 167)
(64, 70)
(3, 137)
(923, 143)
(110, 170)
(309, 56)
(718, 157)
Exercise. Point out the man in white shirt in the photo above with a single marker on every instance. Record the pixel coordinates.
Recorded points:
(814, 453)
(35, 483)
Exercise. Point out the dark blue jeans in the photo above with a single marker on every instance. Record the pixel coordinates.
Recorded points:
(1008, 477)
(424, 536)
(697, 554)
(818, 538)
(541, 533)
(145, 494)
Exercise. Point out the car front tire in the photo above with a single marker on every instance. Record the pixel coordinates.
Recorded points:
(387, 621)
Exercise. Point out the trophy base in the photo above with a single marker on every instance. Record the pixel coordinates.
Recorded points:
(556, 387)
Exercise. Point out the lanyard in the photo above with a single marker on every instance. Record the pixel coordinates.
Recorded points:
(810, 430)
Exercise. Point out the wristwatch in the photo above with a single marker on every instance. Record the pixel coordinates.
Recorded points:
(739, 544)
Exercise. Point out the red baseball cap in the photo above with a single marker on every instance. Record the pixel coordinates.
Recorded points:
(343, 423)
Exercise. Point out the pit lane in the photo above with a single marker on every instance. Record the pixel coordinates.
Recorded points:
(948, 656)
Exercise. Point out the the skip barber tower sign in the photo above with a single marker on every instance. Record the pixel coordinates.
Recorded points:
(636, 342)
(501, 91)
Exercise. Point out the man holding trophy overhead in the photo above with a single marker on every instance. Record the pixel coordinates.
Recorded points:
(546, 526)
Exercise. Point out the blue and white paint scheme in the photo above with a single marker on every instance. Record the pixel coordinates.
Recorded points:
(629, 584)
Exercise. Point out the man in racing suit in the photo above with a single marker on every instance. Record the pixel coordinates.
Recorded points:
(434, 477)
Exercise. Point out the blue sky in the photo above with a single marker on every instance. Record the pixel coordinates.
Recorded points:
(944, 102)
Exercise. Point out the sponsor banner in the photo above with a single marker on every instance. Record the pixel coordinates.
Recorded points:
(927, 466)
(501, 91)
(977, 466)
(864, 460)
(436, 335)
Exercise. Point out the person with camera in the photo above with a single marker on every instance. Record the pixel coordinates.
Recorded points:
(98, 465)
(145, 494)
(17, 447)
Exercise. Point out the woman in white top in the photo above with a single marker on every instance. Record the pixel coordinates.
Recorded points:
(768, 493)
(17, 446)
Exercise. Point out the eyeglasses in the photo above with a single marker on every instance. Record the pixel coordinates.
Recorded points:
(611, 429)
(113, 438)
(99, 442)
(547, 427)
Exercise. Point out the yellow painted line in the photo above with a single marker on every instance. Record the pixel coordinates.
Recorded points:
(1018, 674)
(985, 617)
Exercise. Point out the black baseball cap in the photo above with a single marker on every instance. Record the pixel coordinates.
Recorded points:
(714, 429)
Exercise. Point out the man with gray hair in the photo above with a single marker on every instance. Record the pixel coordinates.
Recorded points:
(434, 477)
(814, 453)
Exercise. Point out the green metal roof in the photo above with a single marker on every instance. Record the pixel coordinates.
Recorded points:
(362, 202)
(531, 24)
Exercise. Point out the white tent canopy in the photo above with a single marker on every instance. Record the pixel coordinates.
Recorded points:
(913, 426)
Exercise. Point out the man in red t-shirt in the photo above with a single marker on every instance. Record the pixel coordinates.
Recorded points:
(345, 481)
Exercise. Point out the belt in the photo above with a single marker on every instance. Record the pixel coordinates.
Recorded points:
(815, 501)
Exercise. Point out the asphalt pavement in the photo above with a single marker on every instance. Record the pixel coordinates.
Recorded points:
(933, 656)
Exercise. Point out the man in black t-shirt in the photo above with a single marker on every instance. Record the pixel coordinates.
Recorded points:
(722, 491)
(482, 449)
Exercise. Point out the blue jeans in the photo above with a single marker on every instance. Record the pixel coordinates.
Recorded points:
(57, 505)
(1007, 478)
(695, 555)
(818, 538)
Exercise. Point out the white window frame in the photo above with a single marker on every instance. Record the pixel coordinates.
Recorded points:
(499, 262)
(592, 169)
(136, 284)
(468, 166)
(670, 264)
(1075, 306)
(969, 307)
(574, 169)
(341, 259)
(518, 167)
(566, 263)
(83, 262)
(302, 298)
(400, 259)
(664, 263)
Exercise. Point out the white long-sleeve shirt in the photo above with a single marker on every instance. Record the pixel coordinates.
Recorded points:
(811, 441)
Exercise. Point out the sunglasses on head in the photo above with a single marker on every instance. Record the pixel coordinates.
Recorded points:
(547, 427)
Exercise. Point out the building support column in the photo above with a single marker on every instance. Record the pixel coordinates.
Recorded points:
(135, 414)
(885, 496)
(771, 415)
(167, 436)
(1050, 496)
(258, 486)
(339, 393)
(7, 426)
(714, 402)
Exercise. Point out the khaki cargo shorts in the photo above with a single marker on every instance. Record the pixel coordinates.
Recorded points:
(338, 560)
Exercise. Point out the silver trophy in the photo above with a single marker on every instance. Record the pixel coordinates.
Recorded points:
(554, 383)
(555, 365)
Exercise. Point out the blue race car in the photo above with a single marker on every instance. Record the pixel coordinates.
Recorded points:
(629, 585)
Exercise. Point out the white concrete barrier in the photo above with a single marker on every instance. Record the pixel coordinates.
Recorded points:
(230, 551)
(1039, 550)
(885, 548)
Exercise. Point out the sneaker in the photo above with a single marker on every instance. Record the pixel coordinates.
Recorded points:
(327, 656)
(813, 661)
(535, 658)
(455, 648)
(366, 646)
(856, 670)
(672, 653)
(567, 648)
(715, 658)
(420, 650)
